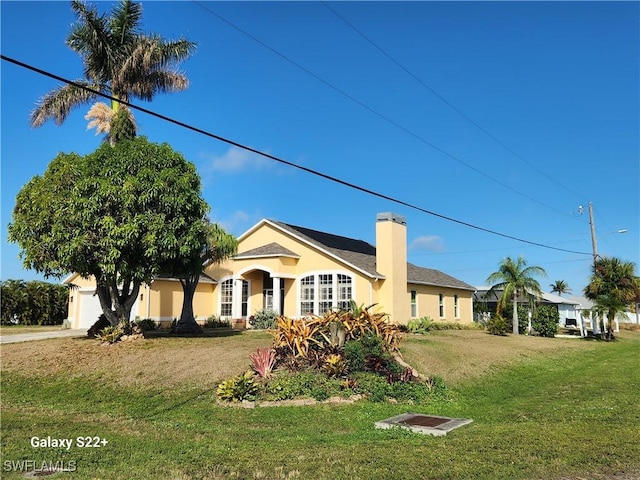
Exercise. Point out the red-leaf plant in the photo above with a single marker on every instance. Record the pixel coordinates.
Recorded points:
(263, 361)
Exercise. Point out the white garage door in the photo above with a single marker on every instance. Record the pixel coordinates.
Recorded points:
(89, 309)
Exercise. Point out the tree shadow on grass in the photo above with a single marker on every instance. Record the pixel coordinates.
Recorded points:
(207, 333)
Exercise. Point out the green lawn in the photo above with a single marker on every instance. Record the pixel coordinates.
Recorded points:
(566, 413)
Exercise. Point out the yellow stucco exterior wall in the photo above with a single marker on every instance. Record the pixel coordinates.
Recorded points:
(162, 300)
(428, 303)
(310, 260)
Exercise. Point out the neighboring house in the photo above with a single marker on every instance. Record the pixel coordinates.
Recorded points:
(297, 271)
(568, 308)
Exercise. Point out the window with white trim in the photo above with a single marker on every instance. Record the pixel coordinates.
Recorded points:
(322, 292)
(245, 298)
(326, 293)
(456, 307)
(227, 294)
(441, 304)
(307, 290)
(226, 298)
(344, 291)
(414, 304)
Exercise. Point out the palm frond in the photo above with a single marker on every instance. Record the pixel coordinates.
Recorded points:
(91, 39)
(124, 22)
(58, 103)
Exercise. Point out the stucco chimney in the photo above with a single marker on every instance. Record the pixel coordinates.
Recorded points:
(391, 261)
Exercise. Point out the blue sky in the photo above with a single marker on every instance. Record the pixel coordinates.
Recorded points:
(554, 86)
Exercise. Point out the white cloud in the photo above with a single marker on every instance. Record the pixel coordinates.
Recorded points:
(236, 160)
(432, 243)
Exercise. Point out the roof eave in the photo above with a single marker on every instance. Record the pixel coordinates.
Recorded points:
(432, 284)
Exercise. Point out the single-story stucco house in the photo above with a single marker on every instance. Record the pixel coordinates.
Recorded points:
(298, 271)
(568, 308)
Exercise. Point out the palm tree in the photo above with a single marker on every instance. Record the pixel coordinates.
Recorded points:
(514, 278)
(119, 61)
(612, 286)
(560, 287)
(219, 246)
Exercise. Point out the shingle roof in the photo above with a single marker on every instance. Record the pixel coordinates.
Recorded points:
(362, 255)
(270, 250)
(430, 276)
(358, 253)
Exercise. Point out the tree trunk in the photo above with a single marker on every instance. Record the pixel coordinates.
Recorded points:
(611, 315)
(115, 306)
(602, 329)
(106, 302)
(516, 324)
(187, 322)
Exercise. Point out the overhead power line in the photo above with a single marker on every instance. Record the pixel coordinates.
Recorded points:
(280, 160)
(375, 112)
(448, 103)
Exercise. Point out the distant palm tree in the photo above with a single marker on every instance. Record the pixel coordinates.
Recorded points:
(119, 61)
(560, 287)
(514, 278)
(613, 285)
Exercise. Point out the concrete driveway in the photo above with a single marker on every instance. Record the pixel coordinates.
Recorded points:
(26, 337)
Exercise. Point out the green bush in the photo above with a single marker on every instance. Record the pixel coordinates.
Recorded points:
(146, 324)
(33, 302)
(426, 325)
(239, 388)
(111, 334)
(523, 318)
(498, 325)
(214, 321)
(302, 384)
(545, 320)
(263, 319)
(420, 325)
(362, 352)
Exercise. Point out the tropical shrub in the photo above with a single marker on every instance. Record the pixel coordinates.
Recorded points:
(239, 388)
(342, 353)
(262, 361)
(111, 334)
(498, 325)
(214, 321)
(146, 324)
(263, 319)
(523, 318)
(33, 302)
(98, 326)
(545, 320)
(426, 325)
(335, 365)
(303, 385)
(361, 320)
(369, 354)
(296, 337)
(420, 325)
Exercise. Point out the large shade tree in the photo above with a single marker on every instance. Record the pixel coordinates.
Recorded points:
(612, 287)
(218, 245)
(118, 215)
(119, 60)
(514, 278)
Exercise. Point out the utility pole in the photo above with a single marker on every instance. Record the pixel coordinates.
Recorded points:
(594, 245)
(594, 242)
